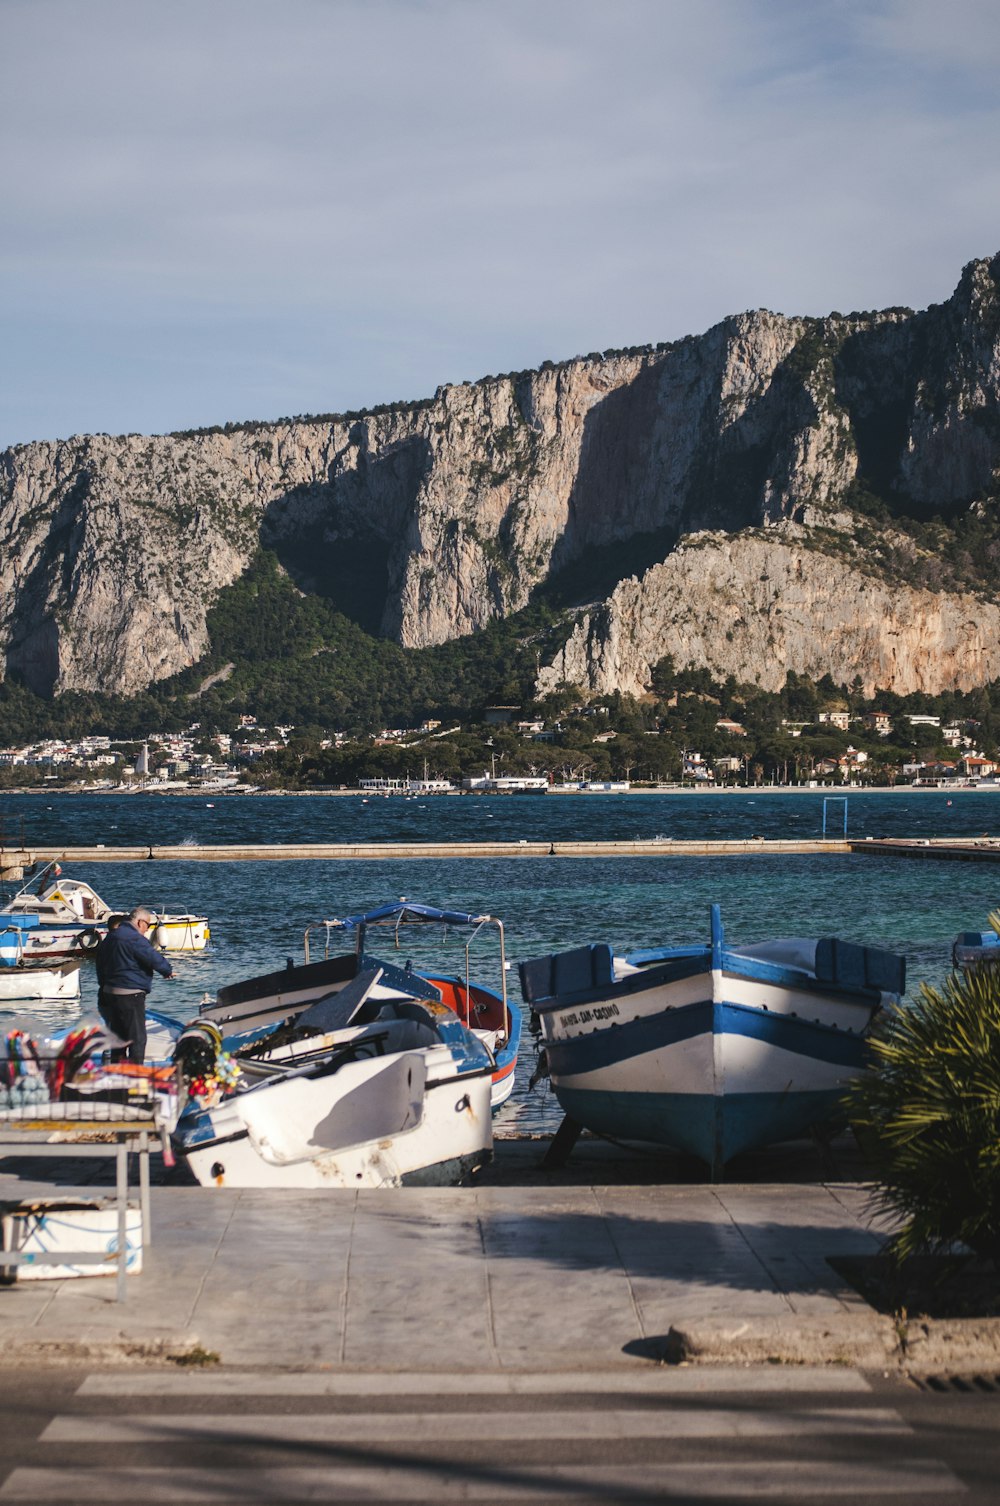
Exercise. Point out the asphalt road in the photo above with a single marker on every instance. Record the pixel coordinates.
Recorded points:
(147, 1436)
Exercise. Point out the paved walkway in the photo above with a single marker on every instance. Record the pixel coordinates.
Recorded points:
(549, 1272)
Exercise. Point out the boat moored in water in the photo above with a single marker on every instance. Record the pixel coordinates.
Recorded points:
(977, 948)
(72, 919)
(179, 933)
(710, 1049)
(23, 976)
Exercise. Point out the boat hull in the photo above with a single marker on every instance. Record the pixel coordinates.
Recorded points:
(181, 933)
(450, 1137)
(976, 949)
(710, 1079)
(48, 945)
(60, 982)
(710, 1051)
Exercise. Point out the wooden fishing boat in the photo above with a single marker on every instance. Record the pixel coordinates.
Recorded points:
(488, 1012)
(710, 1049)
(356, 1091)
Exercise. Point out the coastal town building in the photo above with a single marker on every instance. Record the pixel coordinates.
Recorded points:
(974, 766)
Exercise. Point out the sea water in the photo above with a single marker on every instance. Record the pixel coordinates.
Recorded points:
(259, 911)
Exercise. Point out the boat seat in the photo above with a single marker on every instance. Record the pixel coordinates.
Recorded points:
(848, 965)
(404, 1035)
(977, 938)
(573, 972)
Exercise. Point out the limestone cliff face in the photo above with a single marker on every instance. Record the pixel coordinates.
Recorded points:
(428, 520)
(758, 605)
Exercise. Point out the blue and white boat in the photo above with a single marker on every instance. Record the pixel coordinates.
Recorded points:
(710, 1049)
(357, 1090)
(27, 971)
(976, 949)
(487, 1012)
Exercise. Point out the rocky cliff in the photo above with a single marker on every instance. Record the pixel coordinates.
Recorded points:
(723, 465)
(757, 604)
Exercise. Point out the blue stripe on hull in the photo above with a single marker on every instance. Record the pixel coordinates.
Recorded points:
(713, 1129)
(621, 1043)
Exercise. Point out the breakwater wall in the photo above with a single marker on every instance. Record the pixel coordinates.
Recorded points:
(14, 862)
(955, 849)
(372, 851)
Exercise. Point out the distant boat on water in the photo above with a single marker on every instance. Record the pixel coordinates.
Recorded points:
(977, 948)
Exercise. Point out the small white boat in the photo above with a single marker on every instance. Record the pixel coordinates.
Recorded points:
(67, 917)
(22, 977)
(180, 933)
(357, 1091)
(488, 1012)
(73, 918)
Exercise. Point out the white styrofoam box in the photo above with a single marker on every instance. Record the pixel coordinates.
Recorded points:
(70, 1227)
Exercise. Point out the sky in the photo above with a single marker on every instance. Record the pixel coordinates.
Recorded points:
(218, 210)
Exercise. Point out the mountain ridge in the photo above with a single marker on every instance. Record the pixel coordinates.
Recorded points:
(838, 439)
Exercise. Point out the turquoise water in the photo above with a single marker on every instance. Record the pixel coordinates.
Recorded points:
(259, 911)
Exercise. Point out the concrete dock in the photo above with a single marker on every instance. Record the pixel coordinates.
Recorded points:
(22, 858)
(612, 1262)
(15, 861)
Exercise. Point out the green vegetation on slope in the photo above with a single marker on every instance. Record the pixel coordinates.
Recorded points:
(295, 660)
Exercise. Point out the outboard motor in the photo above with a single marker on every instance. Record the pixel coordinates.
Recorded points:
(197, 1050)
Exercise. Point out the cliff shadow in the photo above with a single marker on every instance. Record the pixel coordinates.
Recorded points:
(345, 538)
(604, 539)
(657, 461)
(33, 642)
(876, 386)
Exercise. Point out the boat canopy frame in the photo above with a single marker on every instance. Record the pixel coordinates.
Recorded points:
(406, 912)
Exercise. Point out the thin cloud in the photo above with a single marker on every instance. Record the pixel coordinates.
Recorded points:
(330, 203)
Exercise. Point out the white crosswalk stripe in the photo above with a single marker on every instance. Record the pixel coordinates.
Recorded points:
(797, 1434)
(732, 1481)
(668, 1380)
(452, 1427)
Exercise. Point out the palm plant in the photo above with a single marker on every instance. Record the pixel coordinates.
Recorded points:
(928, 1113)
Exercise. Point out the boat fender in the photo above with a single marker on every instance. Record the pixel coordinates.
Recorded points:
(89, 940)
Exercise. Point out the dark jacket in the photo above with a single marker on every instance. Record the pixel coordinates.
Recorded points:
(125, 959)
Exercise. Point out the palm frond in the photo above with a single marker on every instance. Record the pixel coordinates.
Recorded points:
(928, 1110)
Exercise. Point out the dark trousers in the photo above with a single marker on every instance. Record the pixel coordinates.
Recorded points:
(125, 1014)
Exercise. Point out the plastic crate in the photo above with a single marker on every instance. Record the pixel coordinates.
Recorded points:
(63, 1237)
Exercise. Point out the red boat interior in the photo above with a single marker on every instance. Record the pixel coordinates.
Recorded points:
(487, 1010)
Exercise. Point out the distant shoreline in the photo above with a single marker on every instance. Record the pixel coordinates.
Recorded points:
(826, 791)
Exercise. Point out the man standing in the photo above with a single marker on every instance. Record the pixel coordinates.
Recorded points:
(126, 962)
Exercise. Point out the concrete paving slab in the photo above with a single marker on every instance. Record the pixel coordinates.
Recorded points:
(537, 1275)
